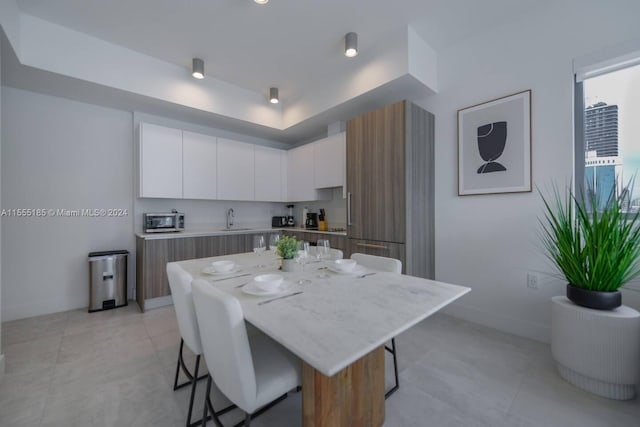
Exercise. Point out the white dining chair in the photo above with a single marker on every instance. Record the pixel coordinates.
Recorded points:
(334, 253)
(252, 371)
(390, 265)
(180, 284)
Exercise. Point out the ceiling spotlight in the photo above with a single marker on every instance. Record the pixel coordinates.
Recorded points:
(198, 68)
(350, 45)
(261, 1)
(273, 95)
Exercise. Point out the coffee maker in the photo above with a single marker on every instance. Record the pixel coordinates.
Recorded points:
(290, 221)
(312, 221)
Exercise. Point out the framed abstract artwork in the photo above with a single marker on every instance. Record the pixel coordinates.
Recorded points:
(494, 146)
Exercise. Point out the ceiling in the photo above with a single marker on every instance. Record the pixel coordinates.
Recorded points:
(290, 44)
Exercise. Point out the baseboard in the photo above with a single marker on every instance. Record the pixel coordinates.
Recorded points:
(1, 367)
(502, 323)
(150, 304)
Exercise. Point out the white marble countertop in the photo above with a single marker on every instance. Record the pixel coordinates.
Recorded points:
(203, 232)
(337, 318)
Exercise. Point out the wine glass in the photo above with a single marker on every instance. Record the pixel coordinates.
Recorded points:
(323, 250)
(303, 258)
(259, 246)
(273, 241)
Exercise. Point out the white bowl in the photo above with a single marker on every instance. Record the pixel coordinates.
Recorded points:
(268, 282)
(344, 265)
(223, 266)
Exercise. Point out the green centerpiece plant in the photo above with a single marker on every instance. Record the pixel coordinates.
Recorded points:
(287, 249)
(594, 244)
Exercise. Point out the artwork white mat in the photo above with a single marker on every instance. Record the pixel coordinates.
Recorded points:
(494, 146)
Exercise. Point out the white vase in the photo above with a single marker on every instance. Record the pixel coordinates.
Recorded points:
(290, 265)
(596, 350)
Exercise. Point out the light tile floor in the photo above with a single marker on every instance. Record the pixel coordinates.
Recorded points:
(115, 368)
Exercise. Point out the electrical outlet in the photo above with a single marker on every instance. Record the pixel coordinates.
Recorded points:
(533, 280)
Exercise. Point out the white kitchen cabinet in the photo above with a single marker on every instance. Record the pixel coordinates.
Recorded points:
(160, 157)
(329, 158)
(301, 175)
(236, 170)
(268, 174)
(199, 166)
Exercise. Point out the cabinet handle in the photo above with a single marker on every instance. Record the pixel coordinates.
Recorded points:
(372, 246)
(349, 208)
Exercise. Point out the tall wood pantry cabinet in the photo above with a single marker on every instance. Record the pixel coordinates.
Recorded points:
(390, 186)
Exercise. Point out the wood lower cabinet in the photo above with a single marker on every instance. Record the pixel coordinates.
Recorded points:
(152, 256)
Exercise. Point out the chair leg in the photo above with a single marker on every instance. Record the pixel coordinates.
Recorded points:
(180, 364)
(193, 390)
(208, 407)
(247, 420)
(392, 350)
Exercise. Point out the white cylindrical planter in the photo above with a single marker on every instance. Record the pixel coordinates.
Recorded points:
(596, 350)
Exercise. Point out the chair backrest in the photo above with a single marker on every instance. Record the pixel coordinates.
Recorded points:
(180, 284)
(379, 263)
(226, 344)
(335, 253)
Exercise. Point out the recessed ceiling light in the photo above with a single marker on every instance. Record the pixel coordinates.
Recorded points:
(261, 1)
(350, 45)
(197, 69)
(273, 95)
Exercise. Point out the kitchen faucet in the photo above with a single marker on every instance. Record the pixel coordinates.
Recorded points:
(230, 216)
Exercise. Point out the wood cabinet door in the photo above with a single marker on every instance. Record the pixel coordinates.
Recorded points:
(376, 175)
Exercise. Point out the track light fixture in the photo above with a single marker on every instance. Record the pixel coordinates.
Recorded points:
(274, 98)
(261, 1)
(197, 68)
(350, 45)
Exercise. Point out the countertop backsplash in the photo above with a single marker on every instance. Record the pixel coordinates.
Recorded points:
(212, 214)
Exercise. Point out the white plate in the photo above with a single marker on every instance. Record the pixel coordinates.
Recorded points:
(252, 289)
(358, 269)
(213, 271)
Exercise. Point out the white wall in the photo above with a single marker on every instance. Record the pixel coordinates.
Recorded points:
(58, 153)
(489, 242)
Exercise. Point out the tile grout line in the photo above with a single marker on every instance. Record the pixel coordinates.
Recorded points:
(50, 387)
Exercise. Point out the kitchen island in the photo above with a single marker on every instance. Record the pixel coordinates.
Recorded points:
(155, 250)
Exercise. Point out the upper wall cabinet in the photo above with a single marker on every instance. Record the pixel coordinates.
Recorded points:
(301, 186)
(199, 166)
(329, 157)
(160, 159)
(268, 174)
(236, 173)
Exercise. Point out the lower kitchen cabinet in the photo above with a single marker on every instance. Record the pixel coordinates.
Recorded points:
(152, 256)
(371, 247)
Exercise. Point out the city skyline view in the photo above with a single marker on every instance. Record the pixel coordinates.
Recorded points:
(621, 88)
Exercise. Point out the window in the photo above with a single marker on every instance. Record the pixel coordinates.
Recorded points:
(607, 120)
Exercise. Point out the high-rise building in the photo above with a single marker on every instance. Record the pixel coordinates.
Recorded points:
(601, 129)
(603, 165)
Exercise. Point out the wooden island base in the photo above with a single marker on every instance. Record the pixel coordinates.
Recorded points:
(354, 397)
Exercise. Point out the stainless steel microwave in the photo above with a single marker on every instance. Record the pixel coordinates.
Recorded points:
(162, 222)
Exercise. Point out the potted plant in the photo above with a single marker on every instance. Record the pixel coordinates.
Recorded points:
(595, 341)
(287, 249)
(594, 244)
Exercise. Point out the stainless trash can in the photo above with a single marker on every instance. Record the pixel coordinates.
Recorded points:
(107, 280)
